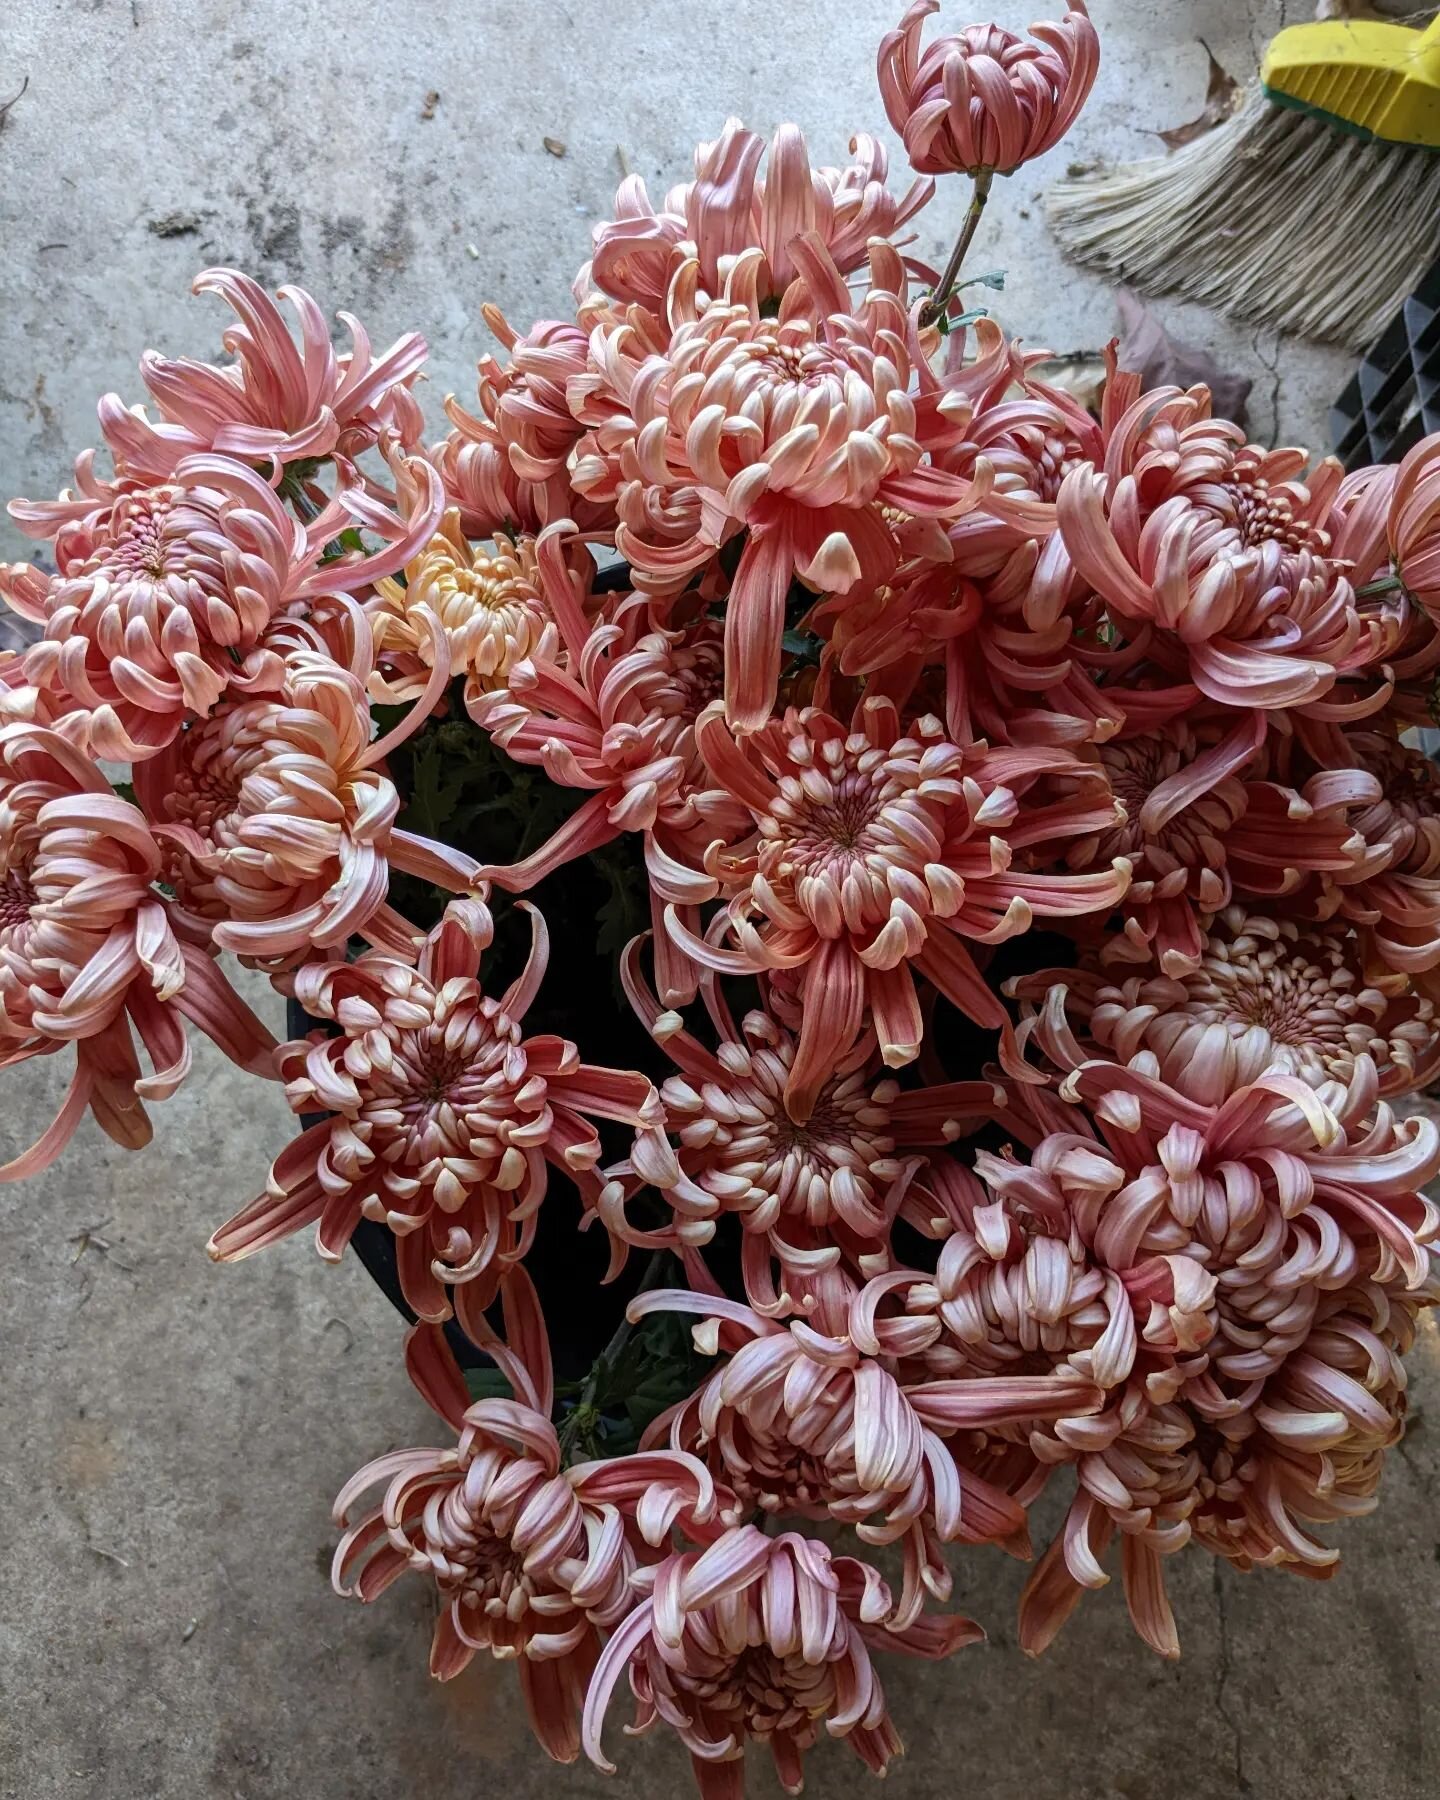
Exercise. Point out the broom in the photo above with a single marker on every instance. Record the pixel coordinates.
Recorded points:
(1314, 208)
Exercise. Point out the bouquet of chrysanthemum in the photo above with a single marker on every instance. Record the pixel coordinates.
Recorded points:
(988, 830)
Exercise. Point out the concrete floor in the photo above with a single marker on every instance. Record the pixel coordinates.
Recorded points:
(173, 1433)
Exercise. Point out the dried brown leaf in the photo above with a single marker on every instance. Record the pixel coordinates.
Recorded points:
(432, 100)
(554, 145)
(1222, 96)
(1147, 349)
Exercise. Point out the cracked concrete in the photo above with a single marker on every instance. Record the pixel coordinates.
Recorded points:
(173, 1432)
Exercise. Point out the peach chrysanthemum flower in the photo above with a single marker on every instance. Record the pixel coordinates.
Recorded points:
(277, 402)
(800, 1424)
(1393, 893)
(1215, 549)
(1242, 1475)
(1387, 523)
(802, 1193)
(1313, 1450)
(487, 598)
(1201, 824)
(506, 468)
(987, 99)
(1263, 1203)
(87, 951)
(531, 1561)
(278, 819)
(440, 1114)
(1269, 995)
(608, 705)
(766, 1638)
(163, 592)
(798, 430)
(1015, 1290)
(1272, 1148)
(875, 852)
(730, 207)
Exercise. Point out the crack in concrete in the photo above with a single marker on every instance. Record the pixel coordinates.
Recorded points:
(1222, 1678)
(1271, 365)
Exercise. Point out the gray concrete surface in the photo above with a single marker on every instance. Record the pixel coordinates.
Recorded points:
(172, 1433)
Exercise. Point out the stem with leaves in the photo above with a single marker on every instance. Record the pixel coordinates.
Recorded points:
(934, 307)
(580, 1421)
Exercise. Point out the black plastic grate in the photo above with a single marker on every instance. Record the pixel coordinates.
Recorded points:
(1393, 399)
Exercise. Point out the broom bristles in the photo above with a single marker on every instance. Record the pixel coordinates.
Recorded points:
(1274, 216)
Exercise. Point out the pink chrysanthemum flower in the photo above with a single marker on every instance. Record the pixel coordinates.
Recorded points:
(797, 429)
(1243, 1475)
(1393, 893)
(875, 852)
(1019, 646)
(799, 1424)
(1030, 433)
(531, 1561)
(803, 1194)
(163, 592)
(1015, 1291)
(1269, 996)
(730, 207)
(280, 822)
(1313, 1450)
(87, 951)
(1201, 823)
(987, 99)
(608, 705)
(277, 402)
(1220, 1174)
(489, 603)
(441, 1116)
(1387, 523)
(1262, 1203)
(506, 468)
(758, 1637)
(1218, 550)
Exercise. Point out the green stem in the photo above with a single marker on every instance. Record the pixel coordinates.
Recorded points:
(935, 306)
(581, 1414)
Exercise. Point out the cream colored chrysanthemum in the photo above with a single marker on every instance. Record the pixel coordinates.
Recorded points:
(486, 596)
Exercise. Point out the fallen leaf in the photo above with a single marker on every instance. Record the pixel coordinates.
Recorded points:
(174, 225)
(1148, 350)
(432, 100)
(1222, 96)
(554, 146)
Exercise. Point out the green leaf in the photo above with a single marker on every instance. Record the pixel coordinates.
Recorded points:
(625, 911)
(487, 1384)
(993, 278)
(946, 325)
(349, 540)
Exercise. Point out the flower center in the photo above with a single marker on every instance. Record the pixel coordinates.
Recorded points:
(139, 546)
(17, 898)
(494, 1577)
(826, 835)
(445, 1089)
(769, 1693)
(1261, 514)
(781, 1478)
